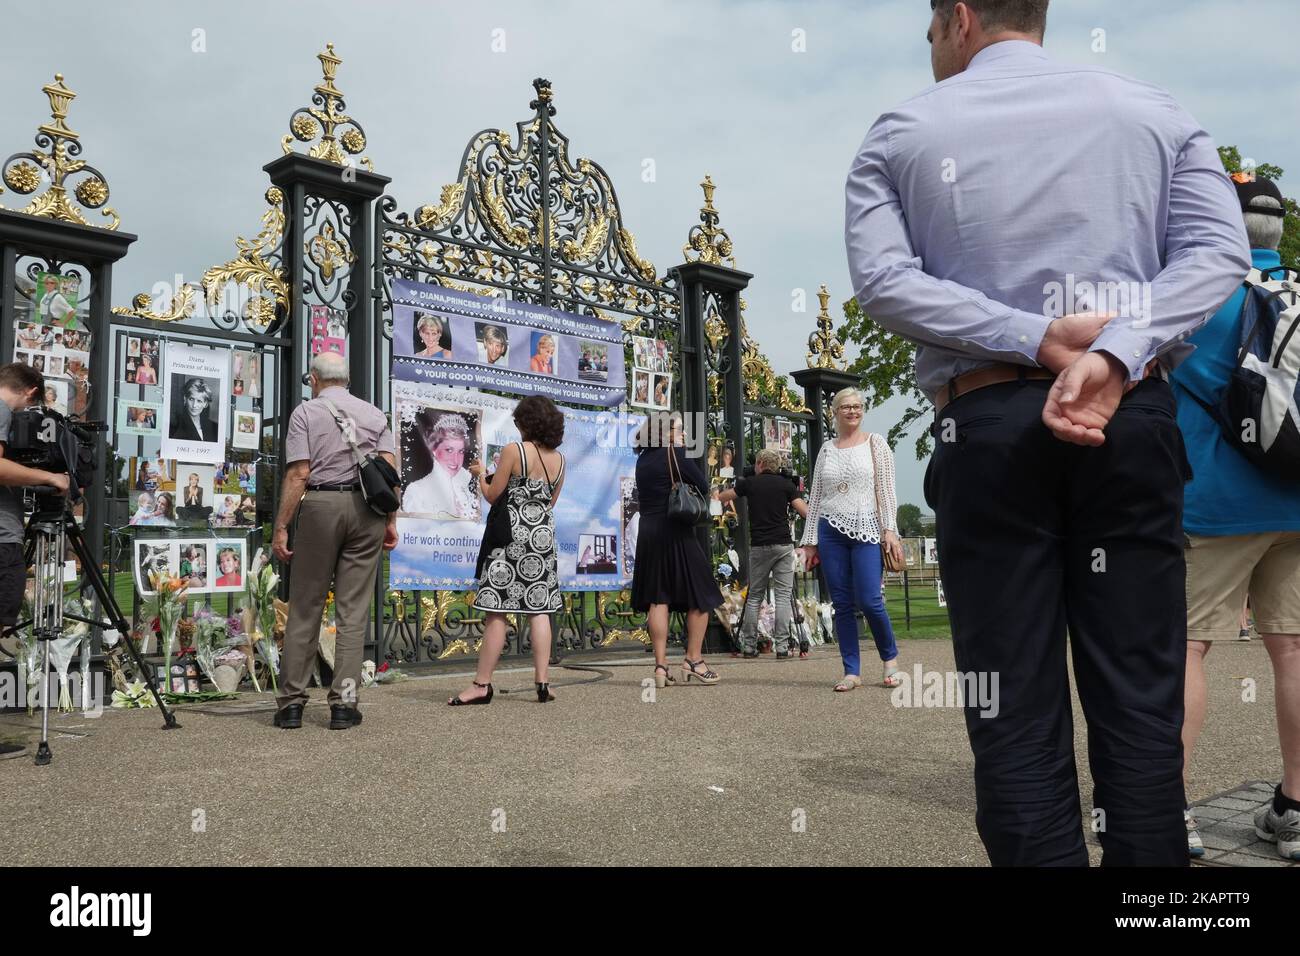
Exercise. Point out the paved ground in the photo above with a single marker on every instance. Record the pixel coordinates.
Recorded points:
(703, 775)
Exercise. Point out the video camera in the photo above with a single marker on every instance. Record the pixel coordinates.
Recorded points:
(41, 438)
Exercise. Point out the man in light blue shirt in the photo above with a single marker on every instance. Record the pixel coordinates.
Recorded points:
(1049, 235)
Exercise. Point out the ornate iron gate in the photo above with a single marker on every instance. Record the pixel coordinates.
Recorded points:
(524, 221)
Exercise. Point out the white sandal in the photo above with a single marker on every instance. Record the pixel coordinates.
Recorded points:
(847, 683)
(891, 678)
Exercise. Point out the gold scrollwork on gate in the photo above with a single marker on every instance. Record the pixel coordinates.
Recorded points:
(329, 251)
(251, 268)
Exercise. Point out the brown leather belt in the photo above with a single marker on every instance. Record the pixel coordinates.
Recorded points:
(984, 377)
(997, 374)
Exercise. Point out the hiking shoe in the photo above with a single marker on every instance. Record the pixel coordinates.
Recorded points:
(1280, 828)
(1195, 848)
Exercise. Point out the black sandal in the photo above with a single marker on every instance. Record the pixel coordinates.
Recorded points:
(705, 676)
(485, 699)
(663, 680)
(544, 695)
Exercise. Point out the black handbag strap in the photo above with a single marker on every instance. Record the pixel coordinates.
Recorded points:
(672, 460)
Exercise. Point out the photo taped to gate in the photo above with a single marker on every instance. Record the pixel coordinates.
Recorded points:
(436, 443)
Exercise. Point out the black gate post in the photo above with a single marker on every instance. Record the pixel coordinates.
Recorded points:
(712, 341)
(54, 227)
(329, 250)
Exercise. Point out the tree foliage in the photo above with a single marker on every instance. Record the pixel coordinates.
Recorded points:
(886, 367)
(909, 521)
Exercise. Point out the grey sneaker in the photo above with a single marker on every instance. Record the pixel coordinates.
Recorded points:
(1282, 829)
(1195, 848)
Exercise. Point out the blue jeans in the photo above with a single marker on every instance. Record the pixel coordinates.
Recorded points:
(852, 570)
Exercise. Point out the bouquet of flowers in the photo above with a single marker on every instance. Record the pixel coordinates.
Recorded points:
(29, 657)
(166, 607)
(62, 649)
(383, 674)
(135, 695)
(260, 590)
(213, 635)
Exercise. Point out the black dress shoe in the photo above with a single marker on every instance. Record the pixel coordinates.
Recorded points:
(289, 717)
(342, 716)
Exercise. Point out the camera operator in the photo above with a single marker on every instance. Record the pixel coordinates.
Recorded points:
(20, 386)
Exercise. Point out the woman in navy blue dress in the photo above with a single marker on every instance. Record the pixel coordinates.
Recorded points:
(672, 573)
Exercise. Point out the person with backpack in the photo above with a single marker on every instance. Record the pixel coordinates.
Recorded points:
(1241, 513)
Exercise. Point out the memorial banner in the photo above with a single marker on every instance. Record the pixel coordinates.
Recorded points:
(447, 337)
(440, 430)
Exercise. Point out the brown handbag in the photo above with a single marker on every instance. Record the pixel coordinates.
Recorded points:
(892, 564)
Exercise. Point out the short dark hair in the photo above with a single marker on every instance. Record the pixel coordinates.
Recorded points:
(22, 378)
(1022, 16)
(538, 420)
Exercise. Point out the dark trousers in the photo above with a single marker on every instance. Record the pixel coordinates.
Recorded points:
(1037, 537)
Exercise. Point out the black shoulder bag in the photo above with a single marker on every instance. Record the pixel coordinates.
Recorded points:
(686, 506)
(497, 533)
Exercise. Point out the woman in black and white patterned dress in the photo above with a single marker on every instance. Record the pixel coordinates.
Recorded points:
(519, 576)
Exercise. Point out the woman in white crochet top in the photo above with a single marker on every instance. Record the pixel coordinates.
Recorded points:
(851, 516)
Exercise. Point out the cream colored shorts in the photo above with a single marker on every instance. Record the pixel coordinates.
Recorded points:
(1222, 571)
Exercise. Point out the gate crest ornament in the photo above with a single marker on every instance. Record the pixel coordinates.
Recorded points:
(55, 160)
(324, 118)
(707, 241)
(525, 219)
(824, 349)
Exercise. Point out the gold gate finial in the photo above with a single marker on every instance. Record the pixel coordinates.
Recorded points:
(709, 242)
(327, 115)
(52, 160)
(824, 349)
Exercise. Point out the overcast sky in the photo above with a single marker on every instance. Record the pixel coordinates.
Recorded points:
(697, 86)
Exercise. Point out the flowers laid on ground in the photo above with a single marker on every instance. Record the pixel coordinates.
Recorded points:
(214, 635)
(383, 674)
(166, 607)
(61, 649)
(260, 589)
(135, 695)
(31, 655)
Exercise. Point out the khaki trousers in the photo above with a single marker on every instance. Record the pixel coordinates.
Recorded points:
(338, 539)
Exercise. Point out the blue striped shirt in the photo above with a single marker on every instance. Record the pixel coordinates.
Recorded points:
(1021, 190)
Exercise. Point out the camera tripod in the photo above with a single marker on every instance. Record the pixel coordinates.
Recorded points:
(50, 532)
